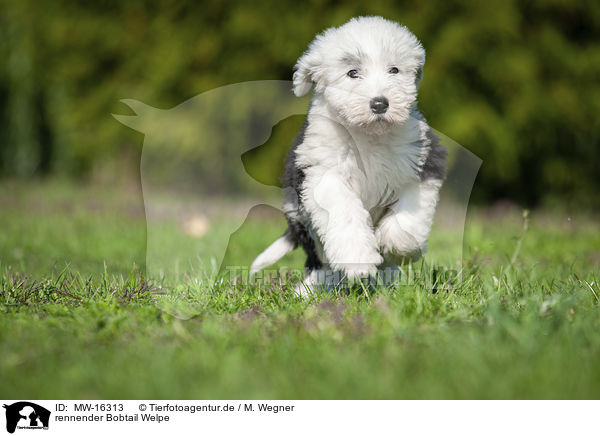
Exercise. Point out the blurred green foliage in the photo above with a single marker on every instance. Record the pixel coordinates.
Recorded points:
(514, 82)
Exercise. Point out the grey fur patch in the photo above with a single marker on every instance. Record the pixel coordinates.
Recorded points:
(351, 59)
(435, 165)
(292, 179)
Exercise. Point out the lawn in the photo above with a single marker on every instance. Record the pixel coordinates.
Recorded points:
(82, 317)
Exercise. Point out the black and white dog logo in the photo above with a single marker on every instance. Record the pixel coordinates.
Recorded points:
(26, 415)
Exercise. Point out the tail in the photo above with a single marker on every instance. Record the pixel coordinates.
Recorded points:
(276, 251)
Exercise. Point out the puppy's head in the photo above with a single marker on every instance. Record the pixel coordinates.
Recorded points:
(368, 71)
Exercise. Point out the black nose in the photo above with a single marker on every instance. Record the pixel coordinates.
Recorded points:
(379, 105)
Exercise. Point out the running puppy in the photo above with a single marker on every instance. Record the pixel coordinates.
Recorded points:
(362, 178)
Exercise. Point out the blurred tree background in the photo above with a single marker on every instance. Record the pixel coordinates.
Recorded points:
(517, 83)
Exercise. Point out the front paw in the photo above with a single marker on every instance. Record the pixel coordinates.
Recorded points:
(398, 246)
(361, 266)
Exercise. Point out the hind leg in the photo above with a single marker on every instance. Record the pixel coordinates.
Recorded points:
(307, 286)
(319, 280)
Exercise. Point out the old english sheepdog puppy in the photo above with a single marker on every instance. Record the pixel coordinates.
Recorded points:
(362, 178)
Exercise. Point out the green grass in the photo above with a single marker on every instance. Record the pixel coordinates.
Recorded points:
(81, 318)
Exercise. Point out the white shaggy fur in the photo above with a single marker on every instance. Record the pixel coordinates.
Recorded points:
(363, 196)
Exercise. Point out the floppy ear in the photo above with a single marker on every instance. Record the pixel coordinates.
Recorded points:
(304, 76)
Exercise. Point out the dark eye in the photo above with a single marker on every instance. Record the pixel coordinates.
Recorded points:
(353, 74)
(393, 70)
